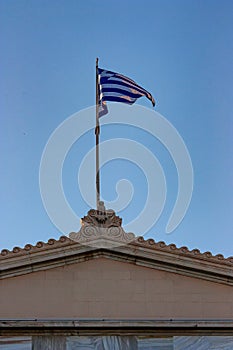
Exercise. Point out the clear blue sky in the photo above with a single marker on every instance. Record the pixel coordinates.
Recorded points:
(181, 51)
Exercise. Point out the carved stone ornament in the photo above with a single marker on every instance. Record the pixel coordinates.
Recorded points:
(102, 217)
(101, 223)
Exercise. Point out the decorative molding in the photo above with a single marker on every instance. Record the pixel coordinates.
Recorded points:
(101, 218)
(94, 235)
(150, 327)
(101, 235)
(139, 241)
(39, 246)
(183, 251)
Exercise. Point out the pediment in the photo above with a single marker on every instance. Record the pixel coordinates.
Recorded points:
(104, 285)
(102, 273)
(133, 250)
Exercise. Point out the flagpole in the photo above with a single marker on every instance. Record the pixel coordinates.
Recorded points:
(97, 133)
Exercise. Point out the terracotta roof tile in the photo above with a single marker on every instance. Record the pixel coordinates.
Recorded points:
(139, 241)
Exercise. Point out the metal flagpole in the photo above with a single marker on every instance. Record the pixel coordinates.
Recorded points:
(97, 133)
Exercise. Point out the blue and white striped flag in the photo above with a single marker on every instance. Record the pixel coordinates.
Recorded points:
(116, 87)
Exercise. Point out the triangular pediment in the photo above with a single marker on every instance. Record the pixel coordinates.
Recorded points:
(140, 252)
(103, 284)
(114, 276)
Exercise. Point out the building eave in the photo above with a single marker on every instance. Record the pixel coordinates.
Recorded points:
(148, 253)
(93, 327)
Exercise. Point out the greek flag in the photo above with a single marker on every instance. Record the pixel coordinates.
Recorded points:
(116, 87)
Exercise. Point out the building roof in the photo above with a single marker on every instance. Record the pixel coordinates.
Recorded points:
(86, 280)
(139, 251)
(101, 235)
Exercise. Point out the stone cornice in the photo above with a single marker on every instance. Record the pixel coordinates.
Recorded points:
(150, 327)
(161, 246)
(148, 253)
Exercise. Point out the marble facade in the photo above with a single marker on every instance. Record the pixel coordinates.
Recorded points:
(120, 343)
